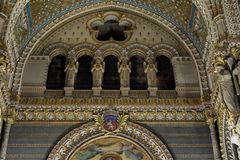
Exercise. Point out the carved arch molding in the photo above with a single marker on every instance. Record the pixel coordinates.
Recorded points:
(67, 147)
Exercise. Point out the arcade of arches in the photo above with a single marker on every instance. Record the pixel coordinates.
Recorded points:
(119, 80)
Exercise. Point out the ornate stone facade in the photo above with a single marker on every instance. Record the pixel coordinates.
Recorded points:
(200, 38)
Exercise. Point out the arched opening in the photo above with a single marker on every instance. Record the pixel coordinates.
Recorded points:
(165, 75)
(84, 74)
(138, 80)
(111, 78)
(56, 74)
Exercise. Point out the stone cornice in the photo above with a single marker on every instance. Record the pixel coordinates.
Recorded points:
(143, 110)
(44, 101)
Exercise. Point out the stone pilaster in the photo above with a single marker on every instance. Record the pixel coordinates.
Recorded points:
(4, 141)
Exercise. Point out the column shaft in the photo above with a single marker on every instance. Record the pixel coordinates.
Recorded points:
(216, 150)
(4, 144)
(1, 124)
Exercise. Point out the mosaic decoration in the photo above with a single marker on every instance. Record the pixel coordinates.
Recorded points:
(110, 149)
(182, 14)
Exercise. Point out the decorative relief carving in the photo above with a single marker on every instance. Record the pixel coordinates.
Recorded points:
(32, 101)
(144, 116)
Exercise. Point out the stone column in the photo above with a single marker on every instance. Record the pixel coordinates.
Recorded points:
(215, 145)
(1, 124)
(4, 141)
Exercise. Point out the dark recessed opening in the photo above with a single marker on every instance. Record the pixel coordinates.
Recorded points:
(138, 80)
(84, 74)
(56, 74)
(111, 78)
(111, 30)
(165, 75)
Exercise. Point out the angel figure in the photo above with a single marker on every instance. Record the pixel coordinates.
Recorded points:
(71, 71)
(151, 71)
(124, 71)
(97, 72)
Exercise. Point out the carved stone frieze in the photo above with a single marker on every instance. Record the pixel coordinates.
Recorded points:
(141, 116)
(124, 101)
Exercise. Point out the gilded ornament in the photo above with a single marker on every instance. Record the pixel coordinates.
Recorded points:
(110, 122)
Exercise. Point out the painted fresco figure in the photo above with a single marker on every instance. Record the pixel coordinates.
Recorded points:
(97, 72)
(71, 71)
(151, 71)
(124, 71)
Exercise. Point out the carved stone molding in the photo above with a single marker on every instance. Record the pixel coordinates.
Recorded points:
(128, 101)
(77, 137)
(83, 116)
